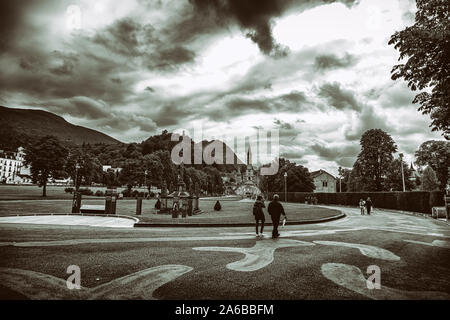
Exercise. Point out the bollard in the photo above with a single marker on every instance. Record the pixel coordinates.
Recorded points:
(76, 205)
(113, 204)
(139, 206)
(190, 207)
(108, 204)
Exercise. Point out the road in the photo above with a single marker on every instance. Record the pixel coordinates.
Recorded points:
(409, 255)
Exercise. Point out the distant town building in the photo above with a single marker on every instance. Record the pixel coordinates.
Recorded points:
(12, 168)
(107, 168)
(247, 184)
(323, 181)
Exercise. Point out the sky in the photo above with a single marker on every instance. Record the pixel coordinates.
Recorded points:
(316, 70)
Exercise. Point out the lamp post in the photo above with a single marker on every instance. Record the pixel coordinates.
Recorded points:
(76, 198)
(403, 175)
(77, 167)
(145, 178)
(285, 186)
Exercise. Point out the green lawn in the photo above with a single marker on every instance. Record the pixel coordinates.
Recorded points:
(232, 211)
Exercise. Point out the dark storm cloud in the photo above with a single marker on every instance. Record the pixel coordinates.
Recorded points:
(339, 98)
(63, 64)
(256, 17)
(11, 17)
(343, 155)
(144, 44)
(331, 61)
(121, 37)
(235, 107)
(292, 154)
(367, 119)
(78, 107)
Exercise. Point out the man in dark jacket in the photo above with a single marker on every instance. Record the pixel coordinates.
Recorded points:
(275, 210)
(369, 205)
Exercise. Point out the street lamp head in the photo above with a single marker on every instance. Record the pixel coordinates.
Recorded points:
(285, 174)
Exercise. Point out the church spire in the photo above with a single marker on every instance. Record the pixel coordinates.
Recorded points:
(249, 156)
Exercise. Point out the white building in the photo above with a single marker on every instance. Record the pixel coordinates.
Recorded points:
(107, 168)
(12, 168)
(323, 181)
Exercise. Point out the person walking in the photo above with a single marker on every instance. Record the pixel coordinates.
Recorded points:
(369, 205)
(259, 215)
(275, 210)
(362, 204)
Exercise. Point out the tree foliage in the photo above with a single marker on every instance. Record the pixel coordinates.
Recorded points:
(426, 45)
(429, 180)
(436, 155)
(298, 179)
(394, 181)
(46, 158)
(370, 168)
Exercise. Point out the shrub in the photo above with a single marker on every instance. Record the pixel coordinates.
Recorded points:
(158, 204)
(415, 201)
(86, 191)
(217, 206)
(68, 190)
(99, 193)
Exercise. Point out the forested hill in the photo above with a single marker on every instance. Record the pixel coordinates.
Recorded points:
(17, 125)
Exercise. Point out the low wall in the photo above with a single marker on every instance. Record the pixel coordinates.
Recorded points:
(414, 201)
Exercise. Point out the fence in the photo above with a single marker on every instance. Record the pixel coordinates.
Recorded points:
(414, 201)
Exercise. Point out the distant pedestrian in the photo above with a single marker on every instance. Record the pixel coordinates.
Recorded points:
(275, 210)
(369, 205)
(259, 215)
(362, 204)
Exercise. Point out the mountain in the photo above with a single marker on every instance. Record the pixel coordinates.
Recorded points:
(38, 123)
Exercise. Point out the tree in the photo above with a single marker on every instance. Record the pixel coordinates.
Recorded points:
(46, 158)
(393, 180)
(436, 155)
(426, 44)
(151, 164)
(344, 175)
(89, 167)
(298, 178)
(429, 180)
(377, 148)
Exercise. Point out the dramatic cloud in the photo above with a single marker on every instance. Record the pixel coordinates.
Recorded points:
(339, 98)
(331, 61)
(256, 17)
(316, 70)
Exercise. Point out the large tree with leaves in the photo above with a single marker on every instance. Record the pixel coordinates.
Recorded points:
(371, 166)
(89, 168)
(426, 45)
(429, 180)
(436, 155)
(46, 158)
(394, 177)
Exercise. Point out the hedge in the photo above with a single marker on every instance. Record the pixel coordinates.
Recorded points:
(414, 201)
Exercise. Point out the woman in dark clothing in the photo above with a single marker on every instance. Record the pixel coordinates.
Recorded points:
(259, 215)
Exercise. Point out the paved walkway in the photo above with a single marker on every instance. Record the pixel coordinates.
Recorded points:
(334, 260)
(68, 220)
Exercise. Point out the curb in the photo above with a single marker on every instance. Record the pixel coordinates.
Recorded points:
(136, 220)
(225, 225)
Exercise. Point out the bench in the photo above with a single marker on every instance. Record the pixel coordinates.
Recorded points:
(438, 212)
(92, 209)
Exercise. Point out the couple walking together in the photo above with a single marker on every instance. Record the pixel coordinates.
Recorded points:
(275, 210)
